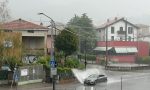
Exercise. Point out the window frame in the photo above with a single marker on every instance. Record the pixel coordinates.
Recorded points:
(112, 30)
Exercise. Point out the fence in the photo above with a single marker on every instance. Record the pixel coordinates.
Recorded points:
(31, 74)
(3, 75)
(127, 68)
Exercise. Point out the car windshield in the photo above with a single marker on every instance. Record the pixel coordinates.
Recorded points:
(93, 76)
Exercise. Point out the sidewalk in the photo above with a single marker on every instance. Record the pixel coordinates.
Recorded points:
(38, 86)
(35, 86)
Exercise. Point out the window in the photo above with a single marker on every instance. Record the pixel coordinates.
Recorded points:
(121, 38)
(30, 31)
(112, 30)
(7, 30)
(130, 30)
(112, 38)
(100, 31)
(121, 28)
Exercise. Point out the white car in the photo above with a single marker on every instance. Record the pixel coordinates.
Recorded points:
(95, 78)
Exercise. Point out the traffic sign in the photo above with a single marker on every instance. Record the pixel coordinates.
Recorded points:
(53, 71)
(52, 64)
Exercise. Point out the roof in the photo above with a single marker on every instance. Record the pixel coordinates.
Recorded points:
(142, 26)
(22, 25)
(111, 22)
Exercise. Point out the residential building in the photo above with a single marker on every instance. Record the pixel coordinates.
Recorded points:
(122, 51)
(143, 32)
(34, 37)
(119, 42)
(59, 27)
(117, 29)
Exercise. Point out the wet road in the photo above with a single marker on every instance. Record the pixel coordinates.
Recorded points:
(137, 80)
(132, 81)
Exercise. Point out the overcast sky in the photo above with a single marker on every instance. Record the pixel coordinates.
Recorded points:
(137, 11)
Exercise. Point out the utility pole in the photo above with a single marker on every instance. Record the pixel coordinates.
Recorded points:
(106, 41)
(53, 69)
(121, 82)
(85, 54)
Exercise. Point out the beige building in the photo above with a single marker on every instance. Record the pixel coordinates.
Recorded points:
(34, 37)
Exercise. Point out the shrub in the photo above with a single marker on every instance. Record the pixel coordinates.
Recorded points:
(143, 60)
(72, 62)
(44, 60)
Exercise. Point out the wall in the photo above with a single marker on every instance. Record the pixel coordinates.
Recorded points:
(123, 58)
(143, 47)
(117, 28)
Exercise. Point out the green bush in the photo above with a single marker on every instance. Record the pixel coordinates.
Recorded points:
(44, 60)
(143, 60)
(65, 73)
(72, 62)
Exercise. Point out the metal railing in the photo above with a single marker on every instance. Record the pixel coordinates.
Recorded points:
(33, 72)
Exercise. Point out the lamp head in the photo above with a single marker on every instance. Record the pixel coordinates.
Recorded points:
(40, 13)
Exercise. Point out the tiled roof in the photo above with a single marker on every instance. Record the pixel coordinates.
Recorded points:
(22, 25)
(110, 22)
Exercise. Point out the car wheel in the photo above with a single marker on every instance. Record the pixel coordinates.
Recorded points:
(94, 83)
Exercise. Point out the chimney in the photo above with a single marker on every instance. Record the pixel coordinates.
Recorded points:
(116, 18)
(107, 20)
(41, 24)
(19, 19)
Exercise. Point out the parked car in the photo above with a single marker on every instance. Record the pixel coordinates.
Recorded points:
(95, 78)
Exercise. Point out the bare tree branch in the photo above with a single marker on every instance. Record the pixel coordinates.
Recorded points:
(4, 12)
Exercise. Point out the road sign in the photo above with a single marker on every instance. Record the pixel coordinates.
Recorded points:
(53, 71)
(53, 63)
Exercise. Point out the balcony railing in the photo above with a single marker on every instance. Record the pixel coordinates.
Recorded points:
(121, 32)
(34, 51)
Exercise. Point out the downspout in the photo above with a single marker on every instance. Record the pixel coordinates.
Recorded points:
(125, 31)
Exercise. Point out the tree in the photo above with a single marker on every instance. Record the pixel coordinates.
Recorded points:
(66, 42)
(84, 27)
(4, 12)
(10, 54)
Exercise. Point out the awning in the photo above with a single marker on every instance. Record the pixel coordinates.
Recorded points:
(121, 50)
(126, 49)
(102, 48)
(132, 50)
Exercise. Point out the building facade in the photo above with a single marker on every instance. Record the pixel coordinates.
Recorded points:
(143, 32)
(118, 42)
(34, 37)
(117, 29)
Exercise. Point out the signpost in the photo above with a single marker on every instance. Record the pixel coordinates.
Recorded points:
(53, 71)
(53, 67)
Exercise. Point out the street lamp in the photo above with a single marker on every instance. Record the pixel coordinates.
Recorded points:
(52, 61)
(85, 54)
(52, 39)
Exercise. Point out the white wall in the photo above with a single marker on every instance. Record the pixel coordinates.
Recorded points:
(117, 28)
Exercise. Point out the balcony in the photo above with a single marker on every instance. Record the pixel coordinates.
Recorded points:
(121, 32)
(34, 51)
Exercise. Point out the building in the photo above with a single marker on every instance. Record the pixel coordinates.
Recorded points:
(122, 51)
(59, 27)
(117, 29)
(118, 42)
(143, 32)
(34, 37)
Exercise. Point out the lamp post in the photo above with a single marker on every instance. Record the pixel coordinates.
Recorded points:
(52, 61)
(106, 41)
(85, 53)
